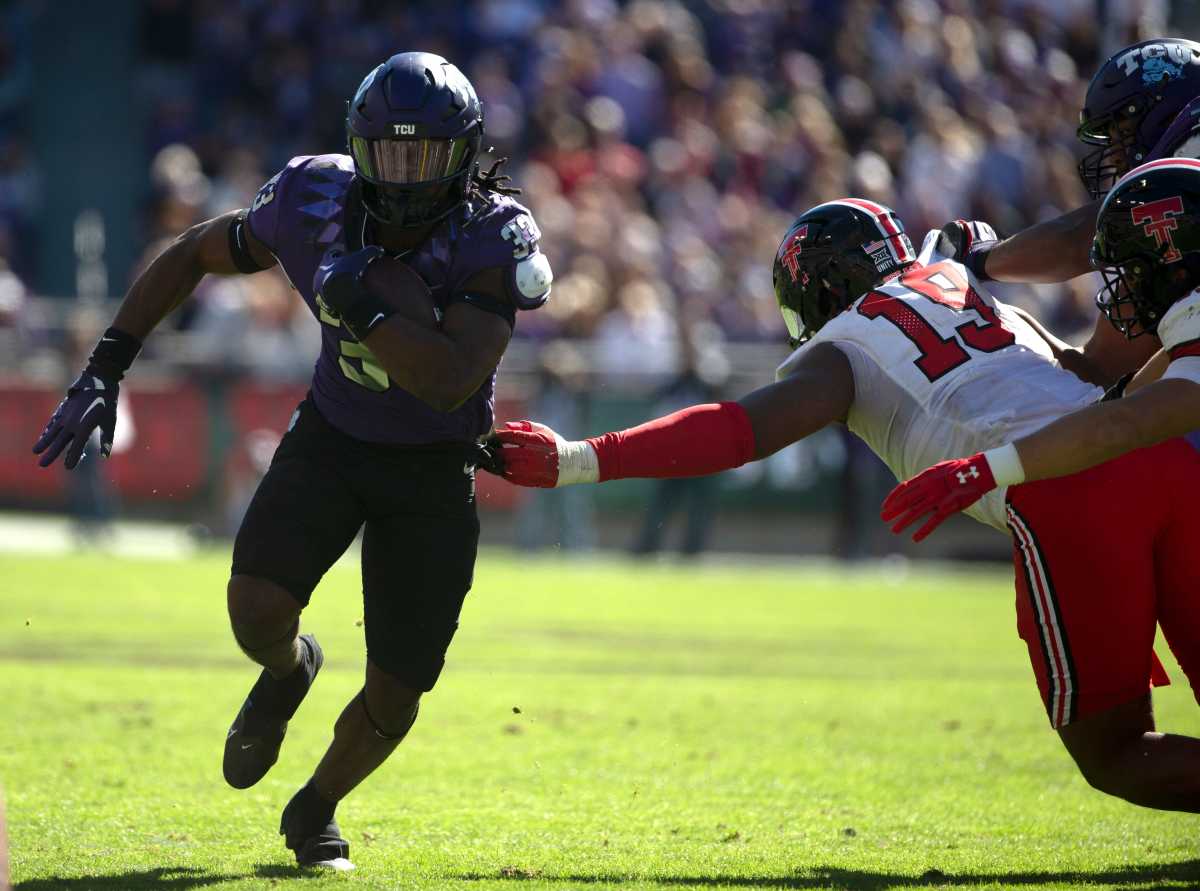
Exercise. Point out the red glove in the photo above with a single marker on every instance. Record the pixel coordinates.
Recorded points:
(531, 454)
(941, 490)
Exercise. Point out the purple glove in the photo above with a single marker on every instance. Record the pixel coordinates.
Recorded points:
(339, 283)
(90, 403)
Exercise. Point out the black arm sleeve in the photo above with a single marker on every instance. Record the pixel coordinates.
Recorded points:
(239, 249)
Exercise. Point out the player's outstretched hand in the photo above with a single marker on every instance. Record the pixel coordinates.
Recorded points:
(528, 453)
(941, 490)
(90, 402)
(531, 454)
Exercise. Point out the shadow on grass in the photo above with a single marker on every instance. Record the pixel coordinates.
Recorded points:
(290, 871)
(1130, 878)
(166, 877)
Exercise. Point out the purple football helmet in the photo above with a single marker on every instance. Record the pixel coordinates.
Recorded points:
(414, 129)
(1130, 102)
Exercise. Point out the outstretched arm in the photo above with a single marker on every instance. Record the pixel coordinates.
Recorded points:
(695, 441)
(1053, 251)
(222, 245)
(1157, 412)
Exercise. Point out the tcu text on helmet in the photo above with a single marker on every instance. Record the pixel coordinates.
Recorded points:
(404, 129)
(1174, 53)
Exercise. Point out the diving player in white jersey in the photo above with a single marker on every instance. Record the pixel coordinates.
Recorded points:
(917, 360)
(1147, 247)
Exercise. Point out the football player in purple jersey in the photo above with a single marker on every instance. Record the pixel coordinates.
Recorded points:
(1142, 104)
(385, 441)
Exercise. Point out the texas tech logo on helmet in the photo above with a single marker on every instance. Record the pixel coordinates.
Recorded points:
(1158, 221)
(790, 255)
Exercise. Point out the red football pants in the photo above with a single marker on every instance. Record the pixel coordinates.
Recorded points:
(1101, 558)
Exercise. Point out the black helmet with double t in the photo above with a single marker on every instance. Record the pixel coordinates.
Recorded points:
(832, 255)
(1147, 245)
(414, 129)
(1131, 102)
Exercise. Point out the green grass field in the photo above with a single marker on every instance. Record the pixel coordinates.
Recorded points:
(600, 724)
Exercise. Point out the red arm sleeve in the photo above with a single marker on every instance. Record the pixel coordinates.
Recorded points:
(694, 441)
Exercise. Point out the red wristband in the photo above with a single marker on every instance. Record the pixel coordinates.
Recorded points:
(694, 441)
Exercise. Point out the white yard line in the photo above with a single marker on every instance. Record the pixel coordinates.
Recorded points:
(50, 534)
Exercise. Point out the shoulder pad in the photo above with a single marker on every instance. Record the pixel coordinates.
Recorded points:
(504, 234)
(529, 281)
(1181, 324)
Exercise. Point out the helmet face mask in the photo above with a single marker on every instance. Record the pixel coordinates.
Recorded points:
(414, 130)
(1116, 152)
(832, 255)
(1130, 103)
(1121, 299)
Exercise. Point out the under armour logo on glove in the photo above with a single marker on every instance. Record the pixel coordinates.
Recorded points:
(934, 492)
(971, 471)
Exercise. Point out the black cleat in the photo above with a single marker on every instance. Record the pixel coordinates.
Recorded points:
(311, 832)
(252, 744)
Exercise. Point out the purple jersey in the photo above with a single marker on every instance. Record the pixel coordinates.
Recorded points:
(1182, 138)
(311, 206)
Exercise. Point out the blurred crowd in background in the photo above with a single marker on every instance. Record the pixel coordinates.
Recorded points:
(663, 147)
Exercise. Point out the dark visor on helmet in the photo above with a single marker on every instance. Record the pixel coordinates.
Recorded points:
(408, 161)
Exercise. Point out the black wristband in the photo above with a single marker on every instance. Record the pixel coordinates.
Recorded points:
(976, 262)
(114, 353)
(239, 250)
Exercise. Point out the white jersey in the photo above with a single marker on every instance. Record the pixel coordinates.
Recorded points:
(944, 370)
